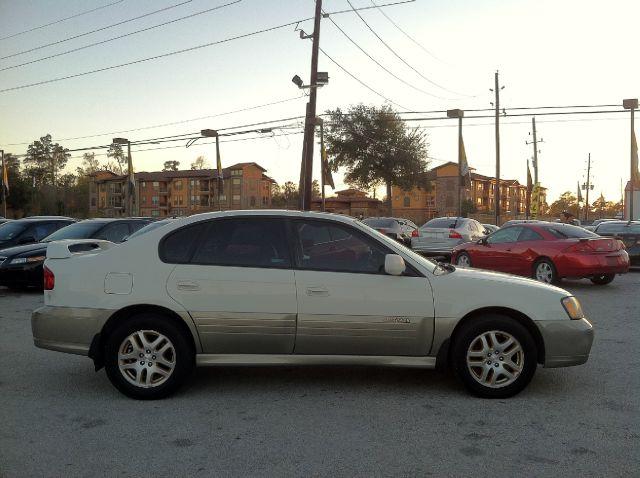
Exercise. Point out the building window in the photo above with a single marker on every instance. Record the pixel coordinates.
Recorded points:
(178, 185)
(143, 184)
(155, 200)
(252, 201)
(143, 199)
(235, 181)
(407, 201)
(93, 202)
(236, 172)
(236, 198)
(156, 185)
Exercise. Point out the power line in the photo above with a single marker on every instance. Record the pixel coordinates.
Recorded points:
(401, 58)
(208, 10)
(60, 21)
(96, 30)
(193, 48)
(406, 34)
(359, 80)
(380, 64)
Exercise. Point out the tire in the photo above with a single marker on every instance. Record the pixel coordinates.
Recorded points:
(161, 370)
(464, 260)
(545, 271)
(603, 279)
(489, 377)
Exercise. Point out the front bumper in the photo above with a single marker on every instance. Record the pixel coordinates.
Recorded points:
(566, 342)
(67, 329)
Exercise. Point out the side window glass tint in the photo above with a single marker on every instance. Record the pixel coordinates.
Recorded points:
(40, 231)
(529, 235)
(177, 246)
(332, 247)
(509, 234)
(246, 242)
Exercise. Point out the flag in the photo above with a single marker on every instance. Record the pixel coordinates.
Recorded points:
(579, 194)
(634, 160)
(5, 177)
(327, 177)
(465, 172)
(131, 180)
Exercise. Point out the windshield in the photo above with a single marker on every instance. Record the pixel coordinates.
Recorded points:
(11, 230)
(79, 230)
(378, 222)
(567, 231)
(147, 228)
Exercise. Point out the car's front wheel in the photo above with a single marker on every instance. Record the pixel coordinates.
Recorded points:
(494, 356)
(463, 260)
(545, 271)
(603, 279)
(148, 357)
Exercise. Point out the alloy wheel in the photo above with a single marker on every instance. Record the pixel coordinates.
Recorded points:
(146, 358)
(495, 359)
(463, 261)
(544, 272)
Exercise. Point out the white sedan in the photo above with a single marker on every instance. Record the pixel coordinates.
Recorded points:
(284, 287)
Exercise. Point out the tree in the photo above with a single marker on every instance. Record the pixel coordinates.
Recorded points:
(171, 165)
(45, 161)
(468, 207)
(566, 202)
(116, 153)
(376, 147)
(290, 194)
(89, 165)
(315, 189)
(19, 190)
(199, 163)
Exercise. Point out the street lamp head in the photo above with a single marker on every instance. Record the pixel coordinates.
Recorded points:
(630, 103)
(297, 81)
(120, 141)
(209, 133)
(457, 113)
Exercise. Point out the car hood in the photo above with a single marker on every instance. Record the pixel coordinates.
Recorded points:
(500, 277)
(19, 250)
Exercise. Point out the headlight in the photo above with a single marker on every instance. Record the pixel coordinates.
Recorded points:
(25, 260)
(573, 308)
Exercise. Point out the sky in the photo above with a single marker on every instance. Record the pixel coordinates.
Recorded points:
(548, 53)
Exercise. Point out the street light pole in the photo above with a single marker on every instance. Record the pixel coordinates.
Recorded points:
(458, 113)
(497, 191)
(4, 186)
(631, 104)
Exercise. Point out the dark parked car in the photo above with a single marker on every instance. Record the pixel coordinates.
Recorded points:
(30, 230)
(3, 220)
(490, 228)
(397, 228)
(21, 266)
(627, 232)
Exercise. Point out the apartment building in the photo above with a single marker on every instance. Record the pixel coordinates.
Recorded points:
(441, 198)
(181, 193)
(351, 202)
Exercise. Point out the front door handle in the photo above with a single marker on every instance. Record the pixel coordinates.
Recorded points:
(188, 285)
(317, 291)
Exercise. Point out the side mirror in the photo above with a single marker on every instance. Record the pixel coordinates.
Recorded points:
(483, 241)
(27, 240)
(394, 264)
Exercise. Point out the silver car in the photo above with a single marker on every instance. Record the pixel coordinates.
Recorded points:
(439, 236)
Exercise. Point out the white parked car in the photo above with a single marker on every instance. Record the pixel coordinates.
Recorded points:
(285, 287)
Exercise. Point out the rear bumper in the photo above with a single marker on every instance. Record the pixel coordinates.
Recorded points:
(21, 275)
(67, 329)
(566, 342)
(583, 265)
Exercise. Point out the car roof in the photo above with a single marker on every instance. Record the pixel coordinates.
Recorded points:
(45, 218)
(265, 212)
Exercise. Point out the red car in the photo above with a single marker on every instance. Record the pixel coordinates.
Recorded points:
(546, 252)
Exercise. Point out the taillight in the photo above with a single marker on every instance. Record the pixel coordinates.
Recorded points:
(49, 279)
(579, 247)
(453, 234)
(415, 233)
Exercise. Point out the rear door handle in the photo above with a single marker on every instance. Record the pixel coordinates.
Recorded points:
(188, 285)
(317, 291)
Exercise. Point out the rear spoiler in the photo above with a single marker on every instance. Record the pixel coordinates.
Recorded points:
(74, 247)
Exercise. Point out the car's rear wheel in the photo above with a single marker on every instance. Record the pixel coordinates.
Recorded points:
(148, 357)
(494, 356)
(545, 271)
(603, 279)
(463, 260)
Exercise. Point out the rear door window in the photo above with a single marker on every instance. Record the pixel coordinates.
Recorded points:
(177, 246)
(508, 234)
(244, 242)
(567, 231)
(529, 234)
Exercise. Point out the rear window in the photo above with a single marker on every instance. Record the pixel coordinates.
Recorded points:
(377, 222)
(567, 231)
(619, 228)
(443, 223)
(79, 230)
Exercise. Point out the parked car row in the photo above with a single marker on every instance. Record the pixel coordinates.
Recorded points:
(287, 287)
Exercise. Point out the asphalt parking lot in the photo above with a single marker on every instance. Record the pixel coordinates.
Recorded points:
(60, 418)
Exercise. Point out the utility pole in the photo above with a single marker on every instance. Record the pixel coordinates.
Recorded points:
(497, 106)
(458, 113)
(322, 208)
(632, 104)
(4, 186)
(535, 149)
(586, 203)
(309, 124)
